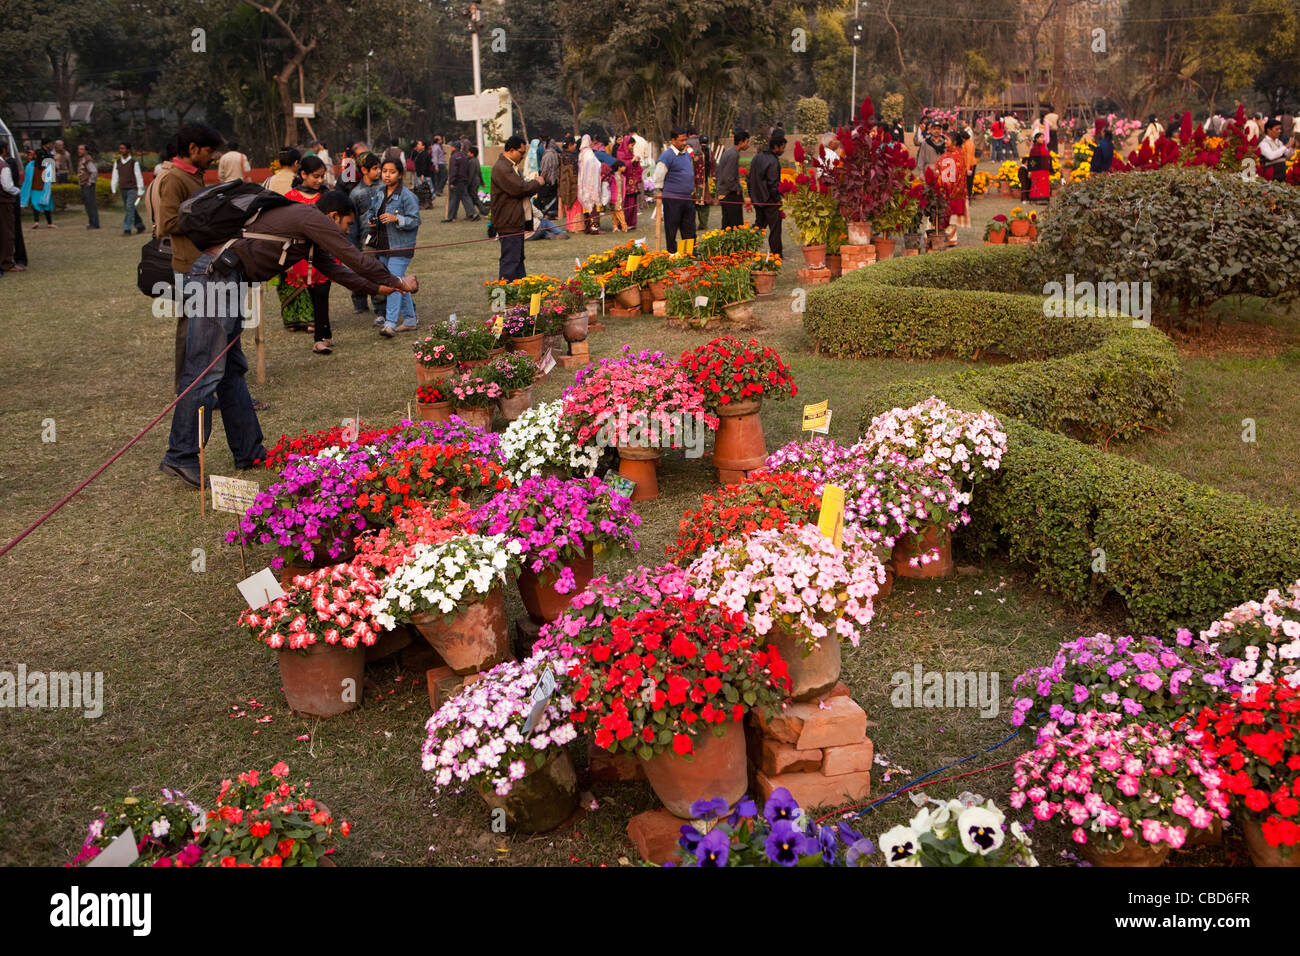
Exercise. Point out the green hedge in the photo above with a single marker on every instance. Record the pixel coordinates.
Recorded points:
(1177, 553)
(65, 195)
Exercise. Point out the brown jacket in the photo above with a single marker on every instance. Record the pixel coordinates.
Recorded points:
(173, 188)
(510, 193)
(87, 170)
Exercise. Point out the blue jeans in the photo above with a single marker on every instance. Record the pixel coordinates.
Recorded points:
(131, 217)
(511, 265)
(222, 387)
(399, 302)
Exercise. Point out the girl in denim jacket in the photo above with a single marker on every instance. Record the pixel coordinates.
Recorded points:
(395, 222)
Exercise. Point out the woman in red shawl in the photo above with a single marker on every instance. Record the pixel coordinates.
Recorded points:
(1039, 165)
(952, 180)
(632, 176)
(303, 277)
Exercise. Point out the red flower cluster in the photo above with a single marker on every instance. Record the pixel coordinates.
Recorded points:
(761, 502)
(422, 473)
(309, 443)
(253, 812)
(1257, 743)
(728, 370)
(658, 679)
(432, 394)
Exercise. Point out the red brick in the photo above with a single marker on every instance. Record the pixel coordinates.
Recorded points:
(814, 276)
(783, 725)
(850, 758)
(817, 790)
(444, 684)
(776, 756)
(655, 834)
(605, 767)
(830, 723)
(839, 690)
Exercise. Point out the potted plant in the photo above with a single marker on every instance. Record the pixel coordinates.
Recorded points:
(316, 629)
(620, 284)
(452, 593)
(871, 169)
(682, 715)
(1033, 225)
(486, 737)
(914, 230)
(735, 377)
(893, 217)
(535, 444)
(764, 500)
(507, 292)
(266, 819)
(652, 273)
(995, 233)
(1008, 174)
(433, 401)
(1256, 735)
(475, 395)
(1019, 222)
(733, 277)
(808, 201)
(831, 589)
(1131, 791)
(962, 832)
(765, 269)
(471, 342)
(419, 474)
(526, 332)
(515, 372)
(966, 445)
(161, 828)
(559, 525)
(435, 358)
(1261, 639)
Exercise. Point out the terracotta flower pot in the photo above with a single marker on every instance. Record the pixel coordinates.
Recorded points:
(811, 674)
(541, 600)
(860, 233)
(764, 282)
(997, 237)
(630, 298)
(516, 403)
(739, 311)
(1019, 227)
(1033, 230)
(1261, 853)
(658, 289)
(639, 463)
(1004, 189)
(593, 309)
(478, 363)
(530, 344)
(717, 769)
(542, 799)
(911, 252)
(473, 640)
(316, 684)
(739, 446)
(389, 643)
(814, 257)
(647, 301)
(291, 569)
(935, 241)
(835, 264)
(476, 415)
(575, 327)
(434, 411)
(908, 546)
(431, 374)
(497, 352)
(1131, 853)
(884, 248)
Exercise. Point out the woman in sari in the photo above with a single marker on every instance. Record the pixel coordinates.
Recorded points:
(1040, 171)
(567, 190)
(305, 291)
(589, 169)
(952, 179)
(633, 175)
(38, 182)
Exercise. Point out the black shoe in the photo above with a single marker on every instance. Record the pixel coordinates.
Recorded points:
(190, 478)
(475, 218)
(449, 220)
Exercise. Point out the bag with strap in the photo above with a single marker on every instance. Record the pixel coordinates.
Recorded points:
(217, 214)
(155, 268)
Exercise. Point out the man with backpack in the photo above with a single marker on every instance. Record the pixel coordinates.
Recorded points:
(271, 235)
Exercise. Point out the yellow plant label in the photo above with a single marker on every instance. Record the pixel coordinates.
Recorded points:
(816, 418)
(534, 304)
(831, 519)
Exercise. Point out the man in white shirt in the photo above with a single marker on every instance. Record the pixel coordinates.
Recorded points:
(127, 177)
(641, 149)
(1274, 153)
(1051, 124)
(1253, 126)
(233, 164)
(1153, 131)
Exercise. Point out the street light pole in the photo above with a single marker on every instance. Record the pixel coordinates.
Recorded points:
(474, 18)
(856, 40)
(369, 144)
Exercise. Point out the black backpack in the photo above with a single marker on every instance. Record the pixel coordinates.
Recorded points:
(217, 213)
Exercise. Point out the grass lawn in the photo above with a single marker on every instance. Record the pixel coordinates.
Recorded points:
(108, 584)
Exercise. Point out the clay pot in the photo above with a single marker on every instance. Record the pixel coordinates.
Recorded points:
(575, 327)
(911, 252)
(1004, 189)
(717, 769)
(764, 282)
(430, 375)
(516, 403)
(479, 363)
(908, 546)
(497, 352)
(434, 411)
(739, 446)
(860, 233)
(647, 301)
(1019, 227)
(884, 248)
(629, 298)
(291, 569)
(593, 309)
(739, 311)
(1209, 836)
(640, 463)
(1131, 853)
(388, 644)
(543, 603)
(531, 344)
(1261, 853)
(658, 289)
(475, 415)
(811, 674)
(913, 240)
(814, 257)
(660, 307)
(835, 265)
(935, 241)
(316, 683)
(997, 238)
(472, 641)
(542, 799)
(1033, 230)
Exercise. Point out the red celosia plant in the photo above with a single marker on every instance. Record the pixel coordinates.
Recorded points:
(1256, 738)
(728, 370)
(762, 502)
(662, 676)
(871, 170)
(422, 473)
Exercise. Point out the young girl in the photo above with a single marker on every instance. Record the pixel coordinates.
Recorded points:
(395, 223)
(315, 307)
(616, 176)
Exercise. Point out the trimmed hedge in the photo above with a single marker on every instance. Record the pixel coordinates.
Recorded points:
(1176, 552)
(64, 195)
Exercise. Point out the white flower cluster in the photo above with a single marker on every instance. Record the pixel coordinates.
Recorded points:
(444, 578)
(944, 438)
(536, 440)
(1263, 638)
(976, 825)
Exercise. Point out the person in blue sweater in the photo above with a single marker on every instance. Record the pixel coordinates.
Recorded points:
(1103, 155)
(674, 176)
(394, 223)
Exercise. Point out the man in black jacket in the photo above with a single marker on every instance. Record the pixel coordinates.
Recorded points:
(765, 190)
(214, 297)
(728, 180)
(459, 173)
(512, 207)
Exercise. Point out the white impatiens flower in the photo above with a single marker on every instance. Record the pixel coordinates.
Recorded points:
(536, 441)
(901, 847)
(980, 830)
(160, 827)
